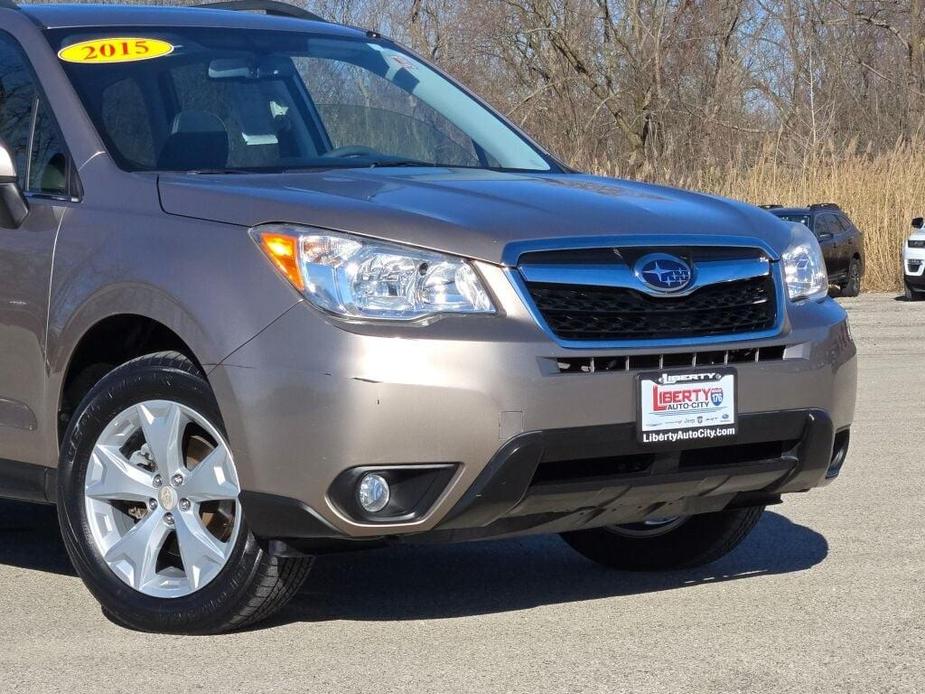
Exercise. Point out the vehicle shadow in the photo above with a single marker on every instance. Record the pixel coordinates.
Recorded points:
(30, 538)
(442, 581)
(407, 582)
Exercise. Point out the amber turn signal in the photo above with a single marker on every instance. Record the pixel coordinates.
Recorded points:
(283, 251)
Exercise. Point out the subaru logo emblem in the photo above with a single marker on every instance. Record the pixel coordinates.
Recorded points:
(663, 272)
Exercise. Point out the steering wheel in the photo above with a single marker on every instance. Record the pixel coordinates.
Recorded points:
(351, 151)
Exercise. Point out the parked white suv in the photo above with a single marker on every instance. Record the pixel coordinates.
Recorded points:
(914, 261)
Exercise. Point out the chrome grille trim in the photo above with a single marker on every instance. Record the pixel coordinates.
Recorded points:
(764, 256)
(622, 276)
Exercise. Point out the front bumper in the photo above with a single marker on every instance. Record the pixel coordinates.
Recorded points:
(914, 268)
(570, 479)
(307, 400)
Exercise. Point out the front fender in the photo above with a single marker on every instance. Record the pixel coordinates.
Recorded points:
(206, 282)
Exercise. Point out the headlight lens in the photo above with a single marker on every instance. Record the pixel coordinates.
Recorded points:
(804, 266)
(355, 277)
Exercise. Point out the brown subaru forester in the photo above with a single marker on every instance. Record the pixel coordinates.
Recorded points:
(272, 286)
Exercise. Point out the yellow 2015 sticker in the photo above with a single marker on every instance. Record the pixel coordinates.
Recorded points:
(115, 50)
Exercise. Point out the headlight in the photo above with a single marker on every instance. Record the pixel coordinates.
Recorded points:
(804, 266)
(356, 277)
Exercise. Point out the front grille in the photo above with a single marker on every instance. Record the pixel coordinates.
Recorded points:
(577, 312)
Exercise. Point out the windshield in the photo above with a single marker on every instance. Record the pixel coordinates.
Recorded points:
(798, 218)
(204, 100)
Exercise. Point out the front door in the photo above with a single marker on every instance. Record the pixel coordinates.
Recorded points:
(827, 230)
(29, 131)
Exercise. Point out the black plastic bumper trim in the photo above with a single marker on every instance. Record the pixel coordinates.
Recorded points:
(280, 517)
(505, 482)
(509, 498)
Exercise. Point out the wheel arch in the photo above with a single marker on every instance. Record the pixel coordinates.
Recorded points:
(106, 344)
(859, 257)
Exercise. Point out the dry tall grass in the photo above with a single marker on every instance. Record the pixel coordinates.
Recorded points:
(880, 192)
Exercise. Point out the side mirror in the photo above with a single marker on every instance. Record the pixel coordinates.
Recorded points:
(13, 206)
(918, 223)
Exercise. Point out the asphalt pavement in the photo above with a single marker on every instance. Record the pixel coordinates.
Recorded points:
(825, 596)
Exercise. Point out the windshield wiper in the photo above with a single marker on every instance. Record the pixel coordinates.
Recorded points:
(217, 172)
(334, 164)
(361, 164)
(394, 163)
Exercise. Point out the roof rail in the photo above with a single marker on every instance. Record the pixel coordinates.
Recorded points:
(770, 207)
(824, 206)
(270, 7)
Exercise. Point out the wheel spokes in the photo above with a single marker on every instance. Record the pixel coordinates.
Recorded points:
(115, 478)
(213, 479)
(164, 528)
(139, 549)
(163, 424)
(202, 553)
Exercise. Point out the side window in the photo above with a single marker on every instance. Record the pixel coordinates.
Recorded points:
(48, 168)
(17, 97)
(825, 224)
(43, 169)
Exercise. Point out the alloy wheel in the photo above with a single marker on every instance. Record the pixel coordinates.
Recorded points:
(161, 499)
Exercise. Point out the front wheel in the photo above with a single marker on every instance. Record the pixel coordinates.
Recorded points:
(665, 544)
(149, 511)
(912, 295)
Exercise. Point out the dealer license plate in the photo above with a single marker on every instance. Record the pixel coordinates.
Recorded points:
(675, 407)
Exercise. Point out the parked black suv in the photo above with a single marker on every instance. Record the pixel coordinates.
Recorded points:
(840, 239)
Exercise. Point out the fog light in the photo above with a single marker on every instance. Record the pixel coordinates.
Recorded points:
(373, 493)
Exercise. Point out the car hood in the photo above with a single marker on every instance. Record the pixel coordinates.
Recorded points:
(479, 214)
(917, 235)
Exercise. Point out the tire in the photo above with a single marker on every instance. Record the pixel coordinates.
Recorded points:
(912, 295)
(240, 582)
(698, 540)
(852, 286)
